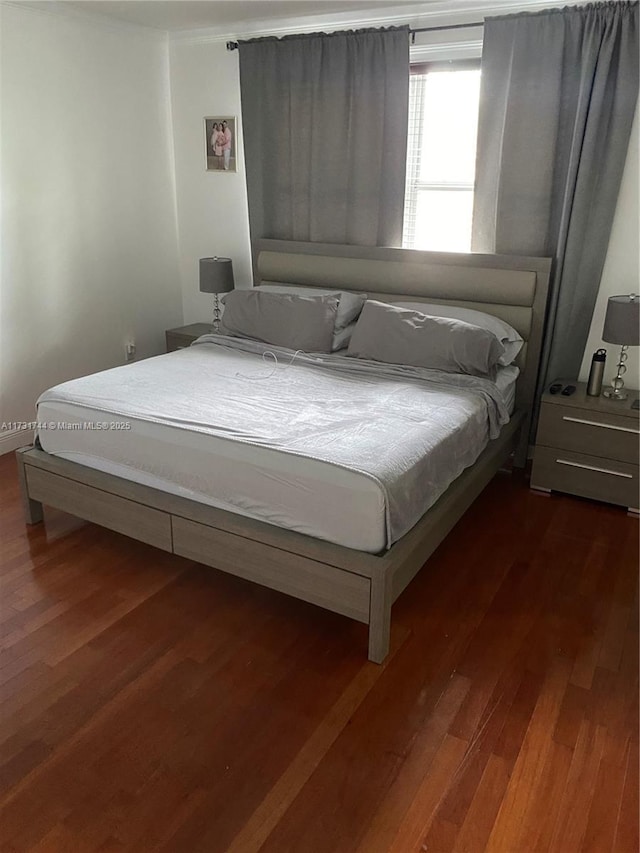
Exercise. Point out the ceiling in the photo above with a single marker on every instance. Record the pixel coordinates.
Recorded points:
(175, 15)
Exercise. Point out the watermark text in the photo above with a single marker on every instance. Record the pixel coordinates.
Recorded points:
(16, 426)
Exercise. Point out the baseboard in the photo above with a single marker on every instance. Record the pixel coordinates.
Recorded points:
(12, 439)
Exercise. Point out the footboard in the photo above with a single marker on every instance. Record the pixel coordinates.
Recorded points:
(296, 565)
(353, 583)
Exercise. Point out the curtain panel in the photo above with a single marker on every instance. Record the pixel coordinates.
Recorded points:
(558, 95)
(325, 120)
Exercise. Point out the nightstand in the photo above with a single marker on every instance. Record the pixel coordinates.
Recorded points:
(184, 336)
(588, 446)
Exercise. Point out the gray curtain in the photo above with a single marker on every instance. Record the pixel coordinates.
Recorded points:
(325, 135)
(558, 95)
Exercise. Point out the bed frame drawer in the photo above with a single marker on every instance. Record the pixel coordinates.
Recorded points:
(332, 588)
(588, 476)
(124, 516)
(595, 433)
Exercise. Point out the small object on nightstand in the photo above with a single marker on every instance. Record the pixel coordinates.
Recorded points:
(568, 390)
(594, 385)
(556, 388)
(588, 446)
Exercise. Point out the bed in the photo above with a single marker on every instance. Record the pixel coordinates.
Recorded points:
(356, 569)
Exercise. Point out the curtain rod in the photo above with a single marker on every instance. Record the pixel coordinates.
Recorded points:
(233, 45)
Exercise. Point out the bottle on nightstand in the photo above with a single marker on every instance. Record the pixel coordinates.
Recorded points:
(596, 374)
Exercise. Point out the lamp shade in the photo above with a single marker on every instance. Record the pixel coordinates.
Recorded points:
(216, 275)
(622, 321)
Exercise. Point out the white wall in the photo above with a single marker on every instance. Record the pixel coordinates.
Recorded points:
(212, 206)
(89, 236)
(621, 273)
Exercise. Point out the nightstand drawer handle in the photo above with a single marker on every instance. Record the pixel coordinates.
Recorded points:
(598, 424)
(593, 468)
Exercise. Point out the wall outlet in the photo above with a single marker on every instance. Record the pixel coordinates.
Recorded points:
(130, 351)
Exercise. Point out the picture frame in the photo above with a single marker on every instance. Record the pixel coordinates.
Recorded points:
(221, 156)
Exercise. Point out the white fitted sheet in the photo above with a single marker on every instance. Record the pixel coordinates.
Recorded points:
(295, 492)
(299, 493)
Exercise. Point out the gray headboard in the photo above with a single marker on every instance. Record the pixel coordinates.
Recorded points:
(510, 287)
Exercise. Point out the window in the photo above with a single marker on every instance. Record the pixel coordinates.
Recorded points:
(443, 120)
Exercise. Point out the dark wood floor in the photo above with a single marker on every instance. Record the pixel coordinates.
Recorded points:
(153, 704)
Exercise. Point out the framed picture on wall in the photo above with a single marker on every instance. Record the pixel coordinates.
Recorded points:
(220, 143)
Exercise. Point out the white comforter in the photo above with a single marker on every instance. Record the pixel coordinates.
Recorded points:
(412, 431)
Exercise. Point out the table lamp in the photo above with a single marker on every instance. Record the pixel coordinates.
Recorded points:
(621, 326)
(216, 276)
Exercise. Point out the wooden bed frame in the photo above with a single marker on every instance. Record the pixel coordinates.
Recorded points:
(356, 584)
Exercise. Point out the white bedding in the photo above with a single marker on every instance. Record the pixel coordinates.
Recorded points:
(315, 496)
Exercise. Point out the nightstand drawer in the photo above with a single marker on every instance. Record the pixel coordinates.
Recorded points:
(589, 476)
(583, 431)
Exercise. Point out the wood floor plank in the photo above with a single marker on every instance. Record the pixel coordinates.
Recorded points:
(580, 787)
(383, 827)
(528, 770)
(537, 825)
(262, 822)
(601, 826)
(148, 703)
(419, 817)
(627, 835)
(481, 814)
(574, 705)
(600, 615)
(456, 802)
(441, 837)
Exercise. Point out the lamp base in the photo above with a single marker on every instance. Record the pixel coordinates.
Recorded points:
(615, 394)
(216, 314)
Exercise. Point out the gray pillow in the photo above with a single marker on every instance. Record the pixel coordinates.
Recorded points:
(282, 319)
(341, 339)
(349, 307)
(398, 336)
(506, 334)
